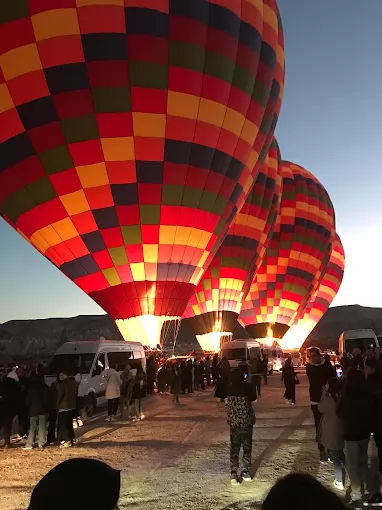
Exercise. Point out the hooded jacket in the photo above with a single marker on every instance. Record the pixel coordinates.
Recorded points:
(318, 376)
(239, 406)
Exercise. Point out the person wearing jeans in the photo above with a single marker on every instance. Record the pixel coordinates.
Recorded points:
(241, 419)
(113, 390)
(330, 430)
(355, 409)
(319, 371)
(37, 424)
(37, 404)
(139, 392)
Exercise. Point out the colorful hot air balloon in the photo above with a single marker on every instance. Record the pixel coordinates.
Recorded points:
(215, 306)
(321, 300)
(296, 258)
(129, 133)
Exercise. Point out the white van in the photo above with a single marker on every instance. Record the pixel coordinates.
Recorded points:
(240, 350)
(357, 339)
(90, 358)
(275, 358)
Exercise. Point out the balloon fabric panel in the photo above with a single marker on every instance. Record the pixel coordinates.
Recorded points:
(218, 298)
(297, 255)
(129, 136)
(321, 300)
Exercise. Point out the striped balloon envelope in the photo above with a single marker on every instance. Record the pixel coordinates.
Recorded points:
(130, 131)
(321, 300)
(296, 258)
(215, 306)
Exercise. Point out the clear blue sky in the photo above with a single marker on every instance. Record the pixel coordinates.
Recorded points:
(329, 123)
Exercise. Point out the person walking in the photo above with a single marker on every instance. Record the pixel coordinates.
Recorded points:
(355, 409)
(241, 419)
(207, 368)
(289, 377)
(139, 393)
(330, 432)
(319, 371)
(189, 376)
(66, 405)
(127, 380)
(214, 368)
(113, 391)
(175, 382)
(197, 373)
(37, 402)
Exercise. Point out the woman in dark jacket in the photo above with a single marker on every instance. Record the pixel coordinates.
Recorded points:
(53, 411)
(288, 376)
(66, 405)
(10, 401)
(175, 382)
(223, 371)
(37, 402)
(139, 392)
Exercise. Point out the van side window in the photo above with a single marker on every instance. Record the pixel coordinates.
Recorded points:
(119, 359)
(137, 362)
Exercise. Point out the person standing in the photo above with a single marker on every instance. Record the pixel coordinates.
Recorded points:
(139, 393)
(255, 372)
(288, 376)
(197, 373)
(207, 368)
(113, 391)
(223, 374)
(37, 402)
(241, 419)
(162, 378)
(175, 381)
(374, 380)
(127, 379)
(151, 374)
(355, 409)
(319, 371)
(214, 368)
(330, 432)
(66, 405)
(265, 369)
(53, 411)
(10, 398)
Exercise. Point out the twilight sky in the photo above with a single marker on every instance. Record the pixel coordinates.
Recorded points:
(329, 124)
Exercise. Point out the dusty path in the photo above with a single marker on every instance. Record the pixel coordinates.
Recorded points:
(178, 457)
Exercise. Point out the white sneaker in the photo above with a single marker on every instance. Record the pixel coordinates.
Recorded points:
(142, 416)
(75, 424)
(108, 418)
(338, 485)
(27, 447)
(355, 496)
(80, 422)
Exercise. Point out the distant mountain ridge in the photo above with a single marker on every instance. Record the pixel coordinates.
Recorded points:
(39, 338)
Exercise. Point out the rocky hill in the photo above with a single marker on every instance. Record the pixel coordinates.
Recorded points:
(38, 339)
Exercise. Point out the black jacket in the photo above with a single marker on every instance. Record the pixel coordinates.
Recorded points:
(10, 397)
(356, 414)
(67, 394)
(318, 376)
(37, 398)
(288, 375)
(375, 386)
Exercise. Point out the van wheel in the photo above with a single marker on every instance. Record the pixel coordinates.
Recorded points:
(91, 404)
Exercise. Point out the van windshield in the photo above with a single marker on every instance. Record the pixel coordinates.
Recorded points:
(238, 354)
(359, 343)
(76, 363)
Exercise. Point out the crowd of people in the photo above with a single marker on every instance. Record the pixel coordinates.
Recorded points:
(347, 410)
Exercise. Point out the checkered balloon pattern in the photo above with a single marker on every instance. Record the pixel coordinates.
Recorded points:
(217, 300)
(296, 258)
(130, 131)
(328, 288)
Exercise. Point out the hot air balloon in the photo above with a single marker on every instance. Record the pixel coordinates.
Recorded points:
(129, 134)
(296, 258)
(215, 306)
(321, 300)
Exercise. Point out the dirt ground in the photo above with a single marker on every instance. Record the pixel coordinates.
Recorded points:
(178, 457)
